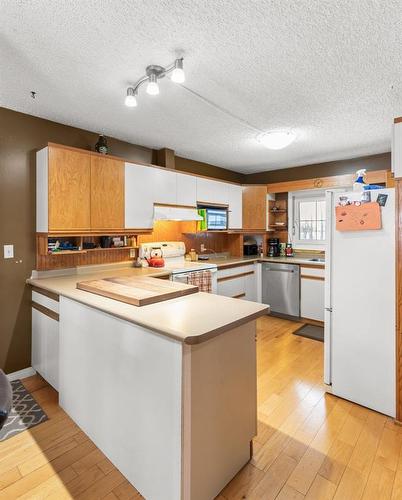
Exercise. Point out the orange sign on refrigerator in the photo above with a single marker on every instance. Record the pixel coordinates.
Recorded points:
(364, 217)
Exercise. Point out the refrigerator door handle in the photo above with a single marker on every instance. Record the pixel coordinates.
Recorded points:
(329, 309)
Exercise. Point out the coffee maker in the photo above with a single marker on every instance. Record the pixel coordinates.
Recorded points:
(273, 247)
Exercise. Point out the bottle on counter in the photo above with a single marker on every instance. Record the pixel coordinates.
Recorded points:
(193, 255)
(289, 250)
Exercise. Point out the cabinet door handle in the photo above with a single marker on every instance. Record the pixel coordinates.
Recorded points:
(281, 270)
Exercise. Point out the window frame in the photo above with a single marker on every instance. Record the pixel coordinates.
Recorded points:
(294, 199)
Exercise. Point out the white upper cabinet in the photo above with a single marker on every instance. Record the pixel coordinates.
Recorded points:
(139, 196)
(235, 194)
(163, 185)
(397, 150)
(210, 191)
(186, 190)
(145, 186)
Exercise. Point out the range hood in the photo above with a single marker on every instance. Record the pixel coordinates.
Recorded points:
(166, 212)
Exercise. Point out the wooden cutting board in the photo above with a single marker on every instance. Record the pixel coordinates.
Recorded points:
(138, 291)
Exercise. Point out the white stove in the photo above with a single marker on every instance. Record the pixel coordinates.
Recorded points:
(173, 254)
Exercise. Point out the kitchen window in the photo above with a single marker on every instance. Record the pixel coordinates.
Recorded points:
(308, 219)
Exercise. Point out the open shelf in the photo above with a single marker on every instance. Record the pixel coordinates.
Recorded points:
(110, 248)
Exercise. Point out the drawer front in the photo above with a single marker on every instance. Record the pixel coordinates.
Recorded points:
(312, 271)
(235, 287)
(45, 301)
(233, 271)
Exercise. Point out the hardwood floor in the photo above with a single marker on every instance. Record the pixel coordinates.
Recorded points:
(310, 445)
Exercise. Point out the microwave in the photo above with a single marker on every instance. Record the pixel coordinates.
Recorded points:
(215, 218)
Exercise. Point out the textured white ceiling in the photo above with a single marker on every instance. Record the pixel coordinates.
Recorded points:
(331, 70)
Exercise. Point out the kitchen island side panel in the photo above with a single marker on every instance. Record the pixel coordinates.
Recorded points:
(220, 410)
(122, 384)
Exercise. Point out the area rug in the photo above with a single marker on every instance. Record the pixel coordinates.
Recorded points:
(311, 332)
(25, 413)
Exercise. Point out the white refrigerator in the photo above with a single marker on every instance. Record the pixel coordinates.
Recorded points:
(360, 309)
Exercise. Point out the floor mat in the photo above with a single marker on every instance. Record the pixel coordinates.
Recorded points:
(24, 414)
(311, 332)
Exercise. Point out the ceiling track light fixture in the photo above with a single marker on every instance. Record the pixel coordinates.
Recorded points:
(153, 74)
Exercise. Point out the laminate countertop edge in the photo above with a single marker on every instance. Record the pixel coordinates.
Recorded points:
(223, 263)
(180, 319)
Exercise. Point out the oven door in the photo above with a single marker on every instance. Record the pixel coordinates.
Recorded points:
(181, 277)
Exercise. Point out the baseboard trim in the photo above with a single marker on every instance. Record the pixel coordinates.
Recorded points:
(26, 372)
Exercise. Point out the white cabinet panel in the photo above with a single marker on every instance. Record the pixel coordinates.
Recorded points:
(250, 282)
(234, 287)
(139, 196)
(186, 190)
(397, 150)
(238, 282)
(235, 196)
(45, 347)
(42, 208)
(312, 298)
(163, 184)
(211, 191)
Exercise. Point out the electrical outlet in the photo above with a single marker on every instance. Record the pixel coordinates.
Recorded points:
(202, 247)
(8, 251)
(132, 253)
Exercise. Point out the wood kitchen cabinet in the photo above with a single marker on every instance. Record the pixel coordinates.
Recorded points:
(80, 191)
(107, 193)
(255, 207)
(67, 188)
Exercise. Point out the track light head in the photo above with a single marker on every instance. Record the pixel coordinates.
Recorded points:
(178, 72)
(131, 100)
(153, 86)
(153, 74)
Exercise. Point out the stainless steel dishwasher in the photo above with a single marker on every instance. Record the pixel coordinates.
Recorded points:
(281, 288)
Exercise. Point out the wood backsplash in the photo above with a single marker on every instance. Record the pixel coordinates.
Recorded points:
(182, 231)
(163, 231)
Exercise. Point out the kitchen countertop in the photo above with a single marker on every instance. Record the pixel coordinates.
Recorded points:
(191, 319)
(223, 262)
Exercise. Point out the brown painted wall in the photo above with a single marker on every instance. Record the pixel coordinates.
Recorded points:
(375, 162)
(21, 136)
(198, 167)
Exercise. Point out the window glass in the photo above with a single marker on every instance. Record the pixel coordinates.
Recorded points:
(310, 220)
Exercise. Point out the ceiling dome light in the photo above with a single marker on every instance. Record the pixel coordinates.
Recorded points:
(131, 100)
(178, 72)
(153, 87)
(276, 139)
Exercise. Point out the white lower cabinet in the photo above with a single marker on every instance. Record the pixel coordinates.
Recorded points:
(312, 290)
(238, 282)
(45, 341)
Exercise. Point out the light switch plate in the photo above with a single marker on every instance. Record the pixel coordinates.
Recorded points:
(8, 251)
